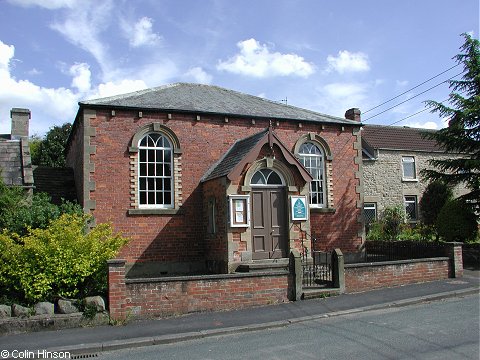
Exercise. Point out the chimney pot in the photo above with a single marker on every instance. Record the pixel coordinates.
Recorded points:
(20, 122)
(353, 114)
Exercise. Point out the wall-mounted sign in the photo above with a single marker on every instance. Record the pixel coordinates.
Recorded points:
(239, 210)
(299, 207)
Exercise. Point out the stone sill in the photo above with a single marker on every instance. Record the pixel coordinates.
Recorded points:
(155, 211)
(323, 210)
(410, 180)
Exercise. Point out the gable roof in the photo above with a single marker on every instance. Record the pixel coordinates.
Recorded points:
(397, 138)
(208, 99)
(245, 150)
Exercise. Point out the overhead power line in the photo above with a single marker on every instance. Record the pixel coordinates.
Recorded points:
(413, 97)
(433, 77)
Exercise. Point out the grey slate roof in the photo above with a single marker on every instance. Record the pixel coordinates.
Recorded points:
(397, 138)
(210, 99)
(11, 162)
(233, 156)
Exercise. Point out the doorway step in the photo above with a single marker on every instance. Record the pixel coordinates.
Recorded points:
(268, 265)
(315, 293)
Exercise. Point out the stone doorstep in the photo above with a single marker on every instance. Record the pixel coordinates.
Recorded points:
(264, 265)
(15, 325)
(313, 293)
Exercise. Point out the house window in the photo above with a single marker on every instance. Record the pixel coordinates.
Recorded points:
(155, 164)
(370, 212)
(312, 158)
(411, 208)
(408, 165)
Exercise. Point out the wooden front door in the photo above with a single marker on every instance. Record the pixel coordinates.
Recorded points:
(269, 223)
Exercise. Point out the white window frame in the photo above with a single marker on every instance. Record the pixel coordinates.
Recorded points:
(235, 211)
(412, 200)
(320, 178)
(412, 162)
(141, 148)
(371, 206)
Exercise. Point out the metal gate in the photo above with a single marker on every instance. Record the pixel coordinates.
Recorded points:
(317, 269)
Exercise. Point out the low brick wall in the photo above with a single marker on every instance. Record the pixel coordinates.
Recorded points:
(167, 296)
(367, 276)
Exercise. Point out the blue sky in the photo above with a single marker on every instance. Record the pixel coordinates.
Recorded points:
(326, 56)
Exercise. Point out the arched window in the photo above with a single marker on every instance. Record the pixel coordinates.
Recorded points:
(313, 159)
(155, 171)
(266, 177)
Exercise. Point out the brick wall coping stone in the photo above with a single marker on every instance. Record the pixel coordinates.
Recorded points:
(396, 262)
(206, 277)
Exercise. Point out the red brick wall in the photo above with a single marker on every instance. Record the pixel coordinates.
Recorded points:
(166, 298)
(181, 237)
(364, 277)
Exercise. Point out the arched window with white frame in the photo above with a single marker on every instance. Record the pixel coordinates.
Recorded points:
(313, 159)
(155, 171)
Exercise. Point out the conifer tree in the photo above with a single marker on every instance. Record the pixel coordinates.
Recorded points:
(462, 136)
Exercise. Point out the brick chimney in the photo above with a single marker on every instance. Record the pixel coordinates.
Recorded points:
(353, 114)
(20, 122)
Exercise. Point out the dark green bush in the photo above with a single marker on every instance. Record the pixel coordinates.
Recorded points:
(457, 222)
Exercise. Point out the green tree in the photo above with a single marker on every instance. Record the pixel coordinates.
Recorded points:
(434, 197)
(462, 135)
(51, 150)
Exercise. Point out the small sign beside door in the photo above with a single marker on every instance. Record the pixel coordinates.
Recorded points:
(299, 207)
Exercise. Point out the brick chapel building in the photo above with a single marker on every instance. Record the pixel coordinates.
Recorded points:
(203, 179)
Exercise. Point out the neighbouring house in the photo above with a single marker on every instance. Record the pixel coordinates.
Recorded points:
(393, 158)
(204, 179)
(15, 160)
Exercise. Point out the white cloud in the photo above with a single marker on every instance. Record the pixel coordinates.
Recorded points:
(51, 106)
(258, 60)
(47, 4)
(115, 88)
(336, 98)
(140, 33)
(81, 77)
(348, 62)
(198, 75)
(425, 125)
(83, 25)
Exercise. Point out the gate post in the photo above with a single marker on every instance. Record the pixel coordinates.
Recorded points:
(117, 291)
(295, 289)
(456, 259)
(338, 270)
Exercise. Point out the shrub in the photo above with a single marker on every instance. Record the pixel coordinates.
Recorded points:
(457, 222)
(393, 218)
(18, 211)
(62, 260)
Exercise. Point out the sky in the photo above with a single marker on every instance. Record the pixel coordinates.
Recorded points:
(322, 55)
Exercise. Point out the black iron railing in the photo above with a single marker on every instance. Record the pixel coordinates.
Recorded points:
(317, 269)
(376, 251)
